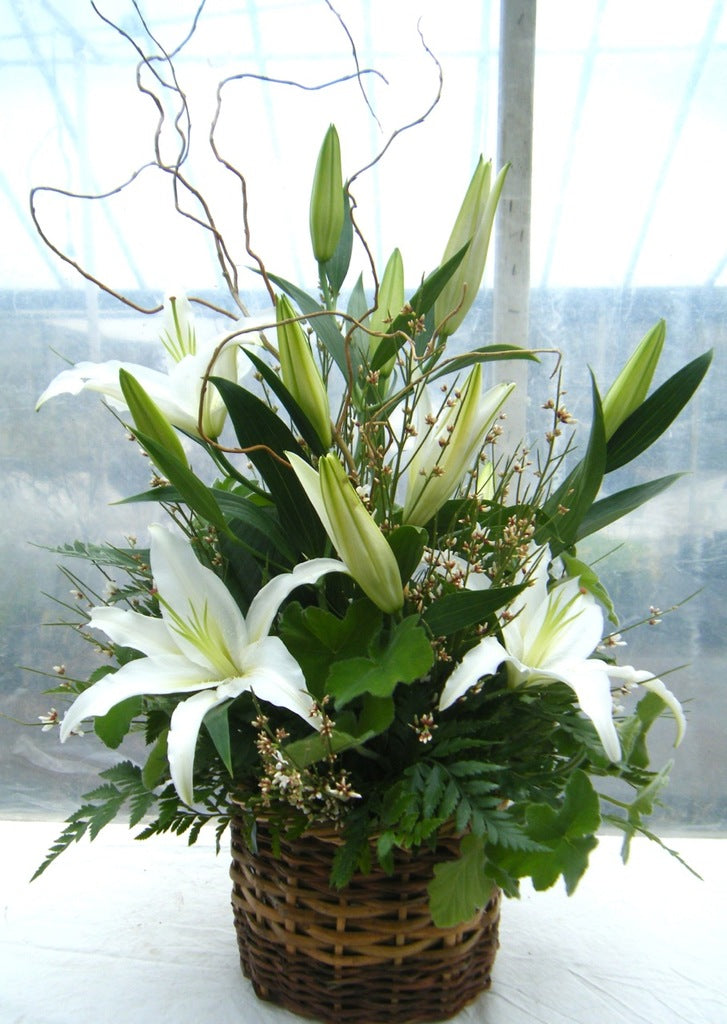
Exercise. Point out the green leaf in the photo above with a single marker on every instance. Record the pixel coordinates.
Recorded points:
(337, 266)
(407, 656)
(590, 581)
(460, 887)
(486, 354)
(608, 510)
(197, 495)
(312, 749)
(407, 543)
(653, 416)
(217, 724)
(317, 639)
(566, 833)
(267, 438)
(260, 518)
(304, 425)
(464, 608)
(148, 417)
(115, 724)
(579, 490)
(156, 768)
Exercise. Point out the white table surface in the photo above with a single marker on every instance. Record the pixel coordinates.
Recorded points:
(125, 932)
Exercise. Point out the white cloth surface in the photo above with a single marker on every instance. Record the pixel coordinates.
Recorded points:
(126, 932)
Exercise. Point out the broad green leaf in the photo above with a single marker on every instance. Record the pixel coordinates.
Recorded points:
(460, 887)
(358, 306)
(317, 639)
(658, 412)
(148, 417)
(315, 748)
(464, 608)
(194, 493)
(112, 727)
(156, 767)
(608, 510)
(377, 714)
(266, 438)
(406, 657)
(217, 724)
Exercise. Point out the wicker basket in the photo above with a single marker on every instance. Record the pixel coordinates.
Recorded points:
(369, 953)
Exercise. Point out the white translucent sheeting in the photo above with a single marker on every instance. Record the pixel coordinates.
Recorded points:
(130, 933)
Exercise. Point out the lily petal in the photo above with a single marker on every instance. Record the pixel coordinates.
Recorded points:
(182, 740)
(590, 682)
(160, 675)
(482, 660)
(131, 629)
(197, 607)
(264, 606)
(651, 682)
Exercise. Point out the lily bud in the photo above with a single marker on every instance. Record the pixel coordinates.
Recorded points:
(448, 446)
(354, 534)
(389, 304)
(474, 226)
(300, 373)
(631, 386)
(326, 203)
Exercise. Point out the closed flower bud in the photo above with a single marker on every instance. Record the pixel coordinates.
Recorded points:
(472, 227)
(630, 388)
(326, 203)
(354, 534)
(300, 373)
(389, 304)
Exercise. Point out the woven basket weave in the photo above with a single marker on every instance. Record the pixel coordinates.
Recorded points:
(369, 953)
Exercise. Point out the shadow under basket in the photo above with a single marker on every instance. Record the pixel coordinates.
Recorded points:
(367, 954)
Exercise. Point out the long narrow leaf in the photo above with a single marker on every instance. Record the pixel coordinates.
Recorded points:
(193, 492)
(266, 438)
(658, 412)
(609, 509)
(307, 430)
(570, 504)
(467, 608)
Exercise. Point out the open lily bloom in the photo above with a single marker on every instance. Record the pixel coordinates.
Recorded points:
(177, 391)
(202, 646)
(551, 639)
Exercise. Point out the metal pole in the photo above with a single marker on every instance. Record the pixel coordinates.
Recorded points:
(512, 238)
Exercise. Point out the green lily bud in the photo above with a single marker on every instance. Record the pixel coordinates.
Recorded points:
(148, 417)
(354, 534)
(631, 386)
(474, 226)
(449, 442)
(326, 202)
(300, 373)
(389, 304)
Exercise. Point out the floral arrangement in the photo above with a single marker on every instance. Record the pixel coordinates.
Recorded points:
(374, 617)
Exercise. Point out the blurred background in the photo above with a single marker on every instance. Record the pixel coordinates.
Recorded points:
(614, 117)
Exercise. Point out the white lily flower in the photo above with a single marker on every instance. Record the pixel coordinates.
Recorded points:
(177, 391)
(202, 646)
(446, 445)
(551, 639)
